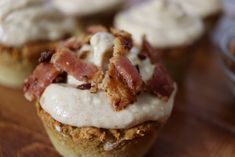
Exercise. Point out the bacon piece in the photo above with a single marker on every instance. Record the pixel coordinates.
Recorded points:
(35, 84)
(129, 72)
(66, 60)
(148, 51)
(95, 29)
(117, 90)
(161, 84)
(73, 44)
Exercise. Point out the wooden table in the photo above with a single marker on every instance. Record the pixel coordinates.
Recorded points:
(202, 123)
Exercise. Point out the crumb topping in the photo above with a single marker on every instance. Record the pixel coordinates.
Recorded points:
(116, 75)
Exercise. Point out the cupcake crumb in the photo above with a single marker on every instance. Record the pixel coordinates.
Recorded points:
(57, 128)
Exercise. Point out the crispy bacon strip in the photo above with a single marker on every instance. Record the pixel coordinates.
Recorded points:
(161, 84)
(66, 60)
(117, 90)
(129, 72)
(35, 84)
(148, 51)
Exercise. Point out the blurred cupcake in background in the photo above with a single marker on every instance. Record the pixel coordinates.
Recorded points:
(209, 10)
(92, 11)
(171, 31)
(28, 27)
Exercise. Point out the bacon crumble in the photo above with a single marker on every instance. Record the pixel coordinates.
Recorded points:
(35, 84)
(122, 43)
(61, 78)
(161, 84)
(73, 44)
(95, 29)
(122, 81)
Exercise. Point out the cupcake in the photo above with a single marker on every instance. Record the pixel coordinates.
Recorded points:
(98, 98)
(172, 32)
(28, 27)
(209, 10)
(92, 12)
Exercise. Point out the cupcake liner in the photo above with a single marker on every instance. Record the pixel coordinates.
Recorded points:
(104, 18)
(90, 144)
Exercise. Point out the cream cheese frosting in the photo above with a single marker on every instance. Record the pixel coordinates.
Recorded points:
(80, 108)
(163, 22)
(84, 7)
(201, 8)
(25, 21)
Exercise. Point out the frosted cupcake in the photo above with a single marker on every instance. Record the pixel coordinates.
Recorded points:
(172, 32)
(98, 98)
(209, 10)
(90, 12)
(27, 27)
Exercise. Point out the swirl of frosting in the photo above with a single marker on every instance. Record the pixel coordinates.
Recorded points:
(163, 22)
(201, 8)
(26, 21)
(83, 8)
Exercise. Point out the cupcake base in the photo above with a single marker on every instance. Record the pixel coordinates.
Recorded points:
(94, 142)
(17, 63)
(68, 148)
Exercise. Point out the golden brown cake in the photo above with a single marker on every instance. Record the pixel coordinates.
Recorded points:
(210, 10)
(100, 96)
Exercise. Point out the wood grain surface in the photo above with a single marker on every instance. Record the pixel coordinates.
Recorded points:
(202, 123)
